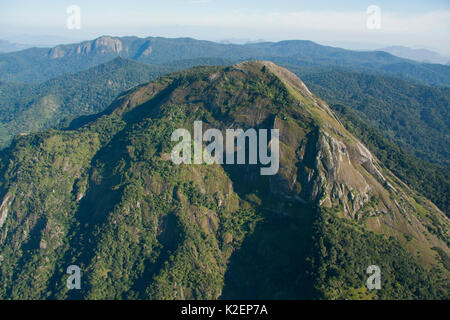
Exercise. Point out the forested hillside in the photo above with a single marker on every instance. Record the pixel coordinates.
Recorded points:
(404, 123)
(106, 197)
(415, 116)
(28, 108)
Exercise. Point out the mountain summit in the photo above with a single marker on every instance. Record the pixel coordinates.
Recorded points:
(105, 196)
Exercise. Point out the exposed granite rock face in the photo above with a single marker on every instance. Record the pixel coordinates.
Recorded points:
(101, 45)
(117, 175)
(4, 208)
(341, 182)
(145, 50)
(326, 172)
(322, 164)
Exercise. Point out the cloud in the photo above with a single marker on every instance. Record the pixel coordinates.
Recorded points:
(204, 19)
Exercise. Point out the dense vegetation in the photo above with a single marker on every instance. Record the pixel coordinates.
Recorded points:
(398, 114)
(427, 178)
(342, 251)
(28, 108)
(107, 198)
(414, 116)
(403, 123)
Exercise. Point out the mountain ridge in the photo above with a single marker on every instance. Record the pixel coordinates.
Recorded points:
(420, 55)
(154, 50)
(397, 103)
(52, 103)
(142, 227)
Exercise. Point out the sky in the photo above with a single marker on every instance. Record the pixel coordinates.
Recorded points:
(417, 24)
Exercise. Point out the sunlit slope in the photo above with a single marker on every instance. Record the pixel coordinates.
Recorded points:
(107, 197)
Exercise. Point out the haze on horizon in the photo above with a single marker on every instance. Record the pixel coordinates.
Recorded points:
(415, 24)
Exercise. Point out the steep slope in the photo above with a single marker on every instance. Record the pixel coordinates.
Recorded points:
(415, 116)
(28, 108)
(428, 179)
(411, 117)
(405, 124)
(40, 64)
(107, 197)
(420, 55)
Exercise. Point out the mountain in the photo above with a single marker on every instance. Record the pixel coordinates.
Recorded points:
(26, 108)
(105, 196)
(428, 179)
(6, 46)
(409, 119)
(414, 116)
(404, 123)
(420, 55)
(40, 64)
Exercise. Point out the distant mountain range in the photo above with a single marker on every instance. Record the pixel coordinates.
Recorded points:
(40, 64)
(6, 46)
(26, 108)
(86, 176)
(420, 55)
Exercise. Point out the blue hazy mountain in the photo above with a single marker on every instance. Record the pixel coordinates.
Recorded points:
(420, 55)
(7, 46)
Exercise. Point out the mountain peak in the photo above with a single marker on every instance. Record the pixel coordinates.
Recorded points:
(107, 196)
(260, 94)
(101, 45)
(420, 55)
